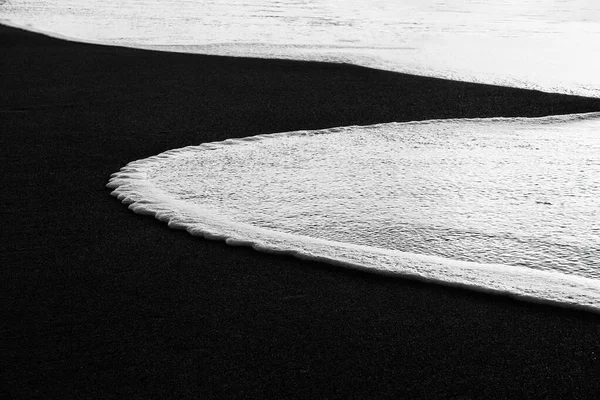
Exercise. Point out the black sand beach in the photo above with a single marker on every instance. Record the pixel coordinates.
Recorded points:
(98, 302)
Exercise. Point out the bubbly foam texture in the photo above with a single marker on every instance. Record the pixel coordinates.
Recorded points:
(476, 203)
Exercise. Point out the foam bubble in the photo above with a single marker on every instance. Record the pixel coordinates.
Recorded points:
(146, 193)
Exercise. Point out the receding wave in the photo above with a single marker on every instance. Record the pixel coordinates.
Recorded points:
(514, 200)
(403, 59)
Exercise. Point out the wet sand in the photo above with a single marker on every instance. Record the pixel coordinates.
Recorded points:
(98, 302)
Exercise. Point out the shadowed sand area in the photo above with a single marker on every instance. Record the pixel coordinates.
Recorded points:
(98, 302)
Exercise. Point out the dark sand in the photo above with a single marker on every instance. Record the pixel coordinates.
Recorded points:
(98, 302)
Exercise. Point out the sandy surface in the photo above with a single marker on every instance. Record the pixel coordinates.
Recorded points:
(98, 302)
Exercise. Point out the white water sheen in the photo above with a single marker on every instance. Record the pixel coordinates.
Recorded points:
(548, 45)
(480, 203)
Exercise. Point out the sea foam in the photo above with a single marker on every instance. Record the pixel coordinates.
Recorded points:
(258, 192)
(553, 48)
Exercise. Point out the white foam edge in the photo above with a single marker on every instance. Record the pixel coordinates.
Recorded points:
(132, 186)
(346, 54)
(290, 52)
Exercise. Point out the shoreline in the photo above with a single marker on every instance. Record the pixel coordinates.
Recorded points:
(100, 302)
(132, 186)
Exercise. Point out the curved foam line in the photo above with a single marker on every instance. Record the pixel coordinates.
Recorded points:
(290, 52)
(132, 186)
(342, 54)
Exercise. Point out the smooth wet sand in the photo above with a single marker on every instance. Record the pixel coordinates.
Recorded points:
(98, 302)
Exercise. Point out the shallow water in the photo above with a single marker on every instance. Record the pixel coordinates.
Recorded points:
(516, 192)
(502, 205)
(548, 45)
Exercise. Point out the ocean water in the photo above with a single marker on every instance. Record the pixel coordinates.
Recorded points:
(551, 45)
(502, 205)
